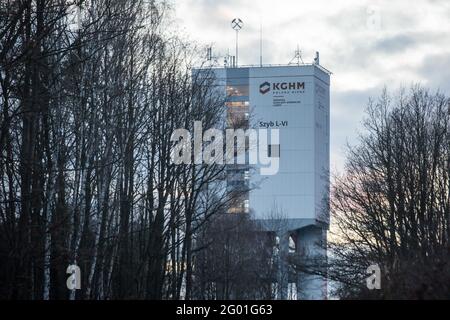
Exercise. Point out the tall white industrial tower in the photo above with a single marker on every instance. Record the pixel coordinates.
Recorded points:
(295, 99)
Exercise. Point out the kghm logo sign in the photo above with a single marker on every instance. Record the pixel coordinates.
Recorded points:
(281, 86)
(289, 86)
(264, 88)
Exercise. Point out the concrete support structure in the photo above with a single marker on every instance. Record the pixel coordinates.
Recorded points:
(311, 244)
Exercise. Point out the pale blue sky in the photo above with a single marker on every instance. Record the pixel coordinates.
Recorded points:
(366, 44)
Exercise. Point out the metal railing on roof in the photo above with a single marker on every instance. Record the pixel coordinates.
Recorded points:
(270, 65)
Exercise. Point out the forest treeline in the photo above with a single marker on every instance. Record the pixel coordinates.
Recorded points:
(390, 207)
(90, 94)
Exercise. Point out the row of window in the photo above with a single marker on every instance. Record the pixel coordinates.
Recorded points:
(243, 207)
(238, 91)
(238, 117)
(237, 104)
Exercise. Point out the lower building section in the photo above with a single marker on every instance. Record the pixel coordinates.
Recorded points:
(247, 259)
(311, 247)
(301, 263)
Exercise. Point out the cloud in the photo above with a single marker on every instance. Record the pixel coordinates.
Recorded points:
(347, 112)
(394, 44)
(434, 70)
(366, 44)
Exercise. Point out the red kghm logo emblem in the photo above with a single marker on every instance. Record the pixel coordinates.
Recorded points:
(264, 87)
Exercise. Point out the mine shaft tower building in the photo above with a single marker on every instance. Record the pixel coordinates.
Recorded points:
(296, 100)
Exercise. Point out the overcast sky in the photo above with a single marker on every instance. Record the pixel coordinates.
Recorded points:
(366, 44)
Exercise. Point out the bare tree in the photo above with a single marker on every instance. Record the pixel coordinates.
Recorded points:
(91, 92)
(391, 206)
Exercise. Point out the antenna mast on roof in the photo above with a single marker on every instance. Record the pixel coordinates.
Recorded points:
(237, 25)
(297, 57)
(261, 46)
(209, 53)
